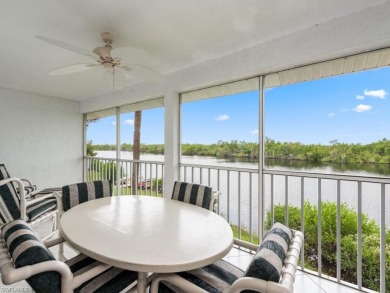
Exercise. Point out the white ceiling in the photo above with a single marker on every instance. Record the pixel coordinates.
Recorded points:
(169, 35)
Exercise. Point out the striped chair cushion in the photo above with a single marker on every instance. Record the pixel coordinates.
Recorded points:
(37, 209)
(9, 199)
(28, 190)
(26, 248)
(196, 194)
(217, 277)
(46, 191)
(112, 280)
(75, 194)
(268, 261)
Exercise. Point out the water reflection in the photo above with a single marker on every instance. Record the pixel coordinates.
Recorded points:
(330, 168)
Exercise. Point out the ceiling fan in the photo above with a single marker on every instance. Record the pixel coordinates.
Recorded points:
(113, 66)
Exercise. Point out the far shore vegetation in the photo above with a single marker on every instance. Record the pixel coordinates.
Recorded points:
(336, 152)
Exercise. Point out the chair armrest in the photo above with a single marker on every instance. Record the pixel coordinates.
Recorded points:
(22, 195)
(175, 280)
(35, 200)
(89, 274)
(247, 245)
(26, 180)
(258, 285)
(10, 274)
(60, 205)
(214, 200)
(54, 240)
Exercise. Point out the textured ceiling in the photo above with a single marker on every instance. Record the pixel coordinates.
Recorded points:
(166, 35)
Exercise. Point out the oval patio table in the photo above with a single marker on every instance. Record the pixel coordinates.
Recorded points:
(147, 234)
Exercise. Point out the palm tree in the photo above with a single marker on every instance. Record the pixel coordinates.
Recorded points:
(136, 149)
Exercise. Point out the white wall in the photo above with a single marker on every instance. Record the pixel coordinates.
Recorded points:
(41, 138)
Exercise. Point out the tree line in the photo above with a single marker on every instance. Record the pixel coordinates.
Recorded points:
(337, 152)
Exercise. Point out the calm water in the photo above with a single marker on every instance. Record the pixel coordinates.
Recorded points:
(234, 192)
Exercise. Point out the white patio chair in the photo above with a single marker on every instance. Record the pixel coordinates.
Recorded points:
(272, 269)
(14, 205)
(28, 186)
(23, 256)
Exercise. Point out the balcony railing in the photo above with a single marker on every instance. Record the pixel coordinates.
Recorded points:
(325, 207)
(147, 175)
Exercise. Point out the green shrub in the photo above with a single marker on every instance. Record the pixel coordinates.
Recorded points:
(348, 216)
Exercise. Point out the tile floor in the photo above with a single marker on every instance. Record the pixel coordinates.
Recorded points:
(304, 282)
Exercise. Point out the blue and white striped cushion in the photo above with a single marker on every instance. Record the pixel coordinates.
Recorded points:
(217, 277)
(75, 194)
(26, 248)
(9, 199)
(39, 208)
(268, 261)
(28, 190)
(112, 280)
(196, 194)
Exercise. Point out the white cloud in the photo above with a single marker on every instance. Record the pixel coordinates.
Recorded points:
(362, 108)
(113, 123)
(344, 110)
(360, 97)
(223, 117)
(255, 131)
(128, 122)
(376, 94)
(331, 114)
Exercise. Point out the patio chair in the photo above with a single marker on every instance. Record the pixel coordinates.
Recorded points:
(14, 205)
(196, 194)
(272, 269)
(23, 256)
(75, 194)
(28, 187)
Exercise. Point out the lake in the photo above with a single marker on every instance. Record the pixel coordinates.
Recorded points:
(229, 205)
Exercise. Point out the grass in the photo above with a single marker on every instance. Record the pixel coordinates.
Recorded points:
(140, 191)
(245, 235)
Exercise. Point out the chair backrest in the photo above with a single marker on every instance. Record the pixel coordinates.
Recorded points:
(9, 198)
(75, 194)
(3, 172)
(26, 249)
(268, 262)
(196, 194)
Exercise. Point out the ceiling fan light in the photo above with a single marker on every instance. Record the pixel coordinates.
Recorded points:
(103, 52)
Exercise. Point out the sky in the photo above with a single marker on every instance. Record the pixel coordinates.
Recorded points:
(352, 108)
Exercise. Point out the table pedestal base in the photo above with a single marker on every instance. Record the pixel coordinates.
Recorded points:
(141, 282)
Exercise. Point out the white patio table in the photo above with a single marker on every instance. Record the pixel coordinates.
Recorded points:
(147, 234)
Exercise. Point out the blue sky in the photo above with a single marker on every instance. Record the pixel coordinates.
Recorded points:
(353, 108)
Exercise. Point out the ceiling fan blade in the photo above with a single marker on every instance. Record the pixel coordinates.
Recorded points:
(69, 47)
(144, 72)
(73, 68)
(131, 54)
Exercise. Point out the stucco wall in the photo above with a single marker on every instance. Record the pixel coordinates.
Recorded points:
(41, 138)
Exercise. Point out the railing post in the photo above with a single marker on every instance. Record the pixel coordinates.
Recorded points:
(118, 151)
(261, 160)
(383, 242)
(359, 237)
(319, 231)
